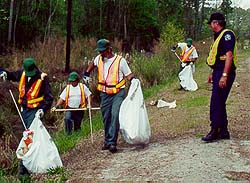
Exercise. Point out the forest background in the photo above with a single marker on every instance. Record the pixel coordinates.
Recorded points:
(61, 36)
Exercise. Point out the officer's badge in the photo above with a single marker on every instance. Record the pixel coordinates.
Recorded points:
(227, 37)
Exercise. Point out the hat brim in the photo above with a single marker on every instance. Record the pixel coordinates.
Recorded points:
(30, 73)
(72, 79)
(100, 49)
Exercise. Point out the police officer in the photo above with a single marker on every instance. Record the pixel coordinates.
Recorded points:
(222, 60)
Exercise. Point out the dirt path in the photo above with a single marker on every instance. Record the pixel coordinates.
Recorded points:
(175, 152)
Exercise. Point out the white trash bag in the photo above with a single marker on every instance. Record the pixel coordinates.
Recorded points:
(133, 116)
(162, 103)
(37, 150)
(186, 79)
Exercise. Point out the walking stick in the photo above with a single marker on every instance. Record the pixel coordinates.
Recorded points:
(17, 109)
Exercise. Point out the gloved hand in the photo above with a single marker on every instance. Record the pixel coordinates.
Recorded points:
(39, 113)
(3, 75)
(173, 49)
(54, 108)
(183, 64)
(86, 77)
(43, 75)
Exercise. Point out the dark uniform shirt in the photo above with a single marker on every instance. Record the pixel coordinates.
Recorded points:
(227, 43)
(45, 89)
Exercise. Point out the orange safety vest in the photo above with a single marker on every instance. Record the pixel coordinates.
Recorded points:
(185, 55)
(32, 100)
(111, 85)
(82, 104)
(214, 48)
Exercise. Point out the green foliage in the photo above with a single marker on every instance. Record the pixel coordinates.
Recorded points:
(195, 101)
(171, 35)
(57, 170)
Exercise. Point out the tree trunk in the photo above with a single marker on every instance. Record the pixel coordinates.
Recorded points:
(10, 21)
(67, 66)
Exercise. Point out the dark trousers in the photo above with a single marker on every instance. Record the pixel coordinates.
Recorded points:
(110, 107)
(73, 119)
(218, 114)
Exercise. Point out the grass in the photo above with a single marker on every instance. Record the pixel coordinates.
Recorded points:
(64, 142)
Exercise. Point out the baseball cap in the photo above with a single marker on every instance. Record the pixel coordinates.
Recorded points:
(102, 44)
(29, 67)
(73, 76)
(216, 16)
(189, 41)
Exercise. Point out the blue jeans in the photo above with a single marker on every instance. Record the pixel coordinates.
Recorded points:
(73, 118)
(110, 107)
(218, 114)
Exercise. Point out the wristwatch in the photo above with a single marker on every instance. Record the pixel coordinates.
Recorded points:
(224, 74)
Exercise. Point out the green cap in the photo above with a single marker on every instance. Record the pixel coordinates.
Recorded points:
(29, 67)
(73, 76)
(189, 41)
(102, 44)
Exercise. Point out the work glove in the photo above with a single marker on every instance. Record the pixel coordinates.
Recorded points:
(183, 64)
(54, 108)
(39, 113)
(173, 49)
(86, 77)
(3, 75)
(43, 75)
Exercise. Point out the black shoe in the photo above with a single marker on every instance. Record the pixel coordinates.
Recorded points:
(212, 136)
(105, 147)
(224, 135)
(113, 149)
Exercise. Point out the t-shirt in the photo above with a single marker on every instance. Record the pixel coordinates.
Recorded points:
(124, 69)
(74, 100)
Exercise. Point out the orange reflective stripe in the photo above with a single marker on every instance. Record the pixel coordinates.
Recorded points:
(66, 97)
(32, 100)
(83, 101)
(185, 56)
(21, 88)
(111, 85)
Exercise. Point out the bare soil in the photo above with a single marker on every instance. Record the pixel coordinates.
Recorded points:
(175, 152)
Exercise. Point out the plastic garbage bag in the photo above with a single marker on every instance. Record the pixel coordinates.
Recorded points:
(186, 78)
(133, 116)
(162, 103)
(40, 153)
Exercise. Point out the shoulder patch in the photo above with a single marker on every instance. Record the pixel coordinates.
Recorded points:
(227, 37)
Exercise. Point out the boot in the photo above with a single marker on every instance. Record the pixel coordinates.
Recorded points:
(211, 136)
(224, 133)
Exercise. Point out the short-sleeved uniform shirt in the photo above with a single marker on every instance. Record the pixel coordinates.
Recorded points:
(74, 100)
(227, 43)
(124, 69)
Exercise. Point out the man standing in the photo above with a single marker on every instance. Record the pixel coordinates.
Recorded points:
(222, 60)
(73, 96)
(188, 57)
(112, 70)
(35, 96)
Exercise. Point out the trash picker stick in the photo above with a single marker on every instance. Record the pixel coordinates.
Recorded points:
(78, 109)
(17, 109)
(90, 121)
(178, 57)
